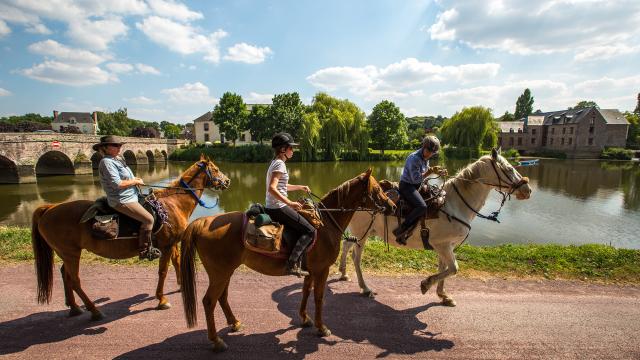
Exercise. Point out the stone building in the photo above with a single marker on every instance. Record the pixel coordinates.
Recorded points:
(207, 131)
(579, 133)
(86, 122)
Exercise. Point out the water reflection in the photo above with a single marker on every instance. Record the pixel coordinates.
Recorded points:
(574, 201)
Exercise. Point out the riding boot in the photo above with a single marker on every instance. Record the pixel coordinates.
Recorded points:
(145, 246)
(293, 263)
(401, 234)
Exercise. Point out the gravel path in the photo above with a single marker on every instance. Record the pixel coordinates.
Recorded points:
(494, 319)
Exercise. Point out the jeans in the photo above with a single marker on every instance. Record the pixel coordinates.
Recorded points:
(410, 194)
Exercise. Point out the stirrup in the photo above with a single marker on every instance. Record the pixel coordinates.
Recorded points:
(151, 253)
(296, 270)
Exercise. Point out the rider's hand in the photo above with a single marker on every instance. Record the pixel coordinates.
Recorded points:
(139, 181)
(305, 188)
(296, 205)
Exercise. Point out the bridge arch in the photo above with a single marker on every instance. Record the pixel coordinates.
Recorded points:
(8, 171)
(164, 155)
(150, 156)
(54, 163)
(95, 159)
(130, 157)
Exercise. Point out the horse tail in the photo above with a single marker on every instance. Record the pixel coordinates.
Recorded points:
(188, 273)
(43, 257)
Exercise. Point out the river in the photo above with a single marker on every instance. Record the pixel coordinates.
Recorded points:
(573, 201)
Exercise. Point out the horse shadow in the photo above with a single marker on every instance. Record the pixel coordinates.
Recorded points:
(366, 321)
(54, 326)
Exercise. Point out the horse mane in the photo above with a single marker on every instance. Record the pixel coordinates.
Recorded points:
(174, 183)
(339, 192)
(469, 172)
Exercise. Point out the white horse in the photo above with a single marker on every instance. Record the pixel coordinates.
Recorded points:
(446, 232)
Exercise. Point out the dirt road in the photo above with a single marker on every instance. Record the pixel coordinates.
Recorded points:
(494, 319)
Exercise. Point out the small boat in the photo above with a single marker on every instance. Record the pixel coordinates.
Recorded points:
(530, 162)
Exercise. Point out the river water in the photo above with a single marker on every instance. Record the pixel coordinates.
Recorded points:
(573, 201)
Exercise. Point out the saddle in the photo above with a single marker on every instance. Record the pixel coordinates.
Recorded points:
(108, 224)
(262, 235)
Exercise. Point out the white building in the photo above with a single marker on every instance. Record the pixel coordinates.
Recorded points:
(206, 131)
(86, 122)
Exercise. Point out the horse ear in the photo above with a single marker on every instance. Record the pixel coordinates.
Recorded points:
(368, 172)
(202, 158)
(494, 154)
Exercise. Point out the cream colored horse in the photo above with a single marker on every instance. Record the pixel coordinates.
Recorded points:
(474, 183)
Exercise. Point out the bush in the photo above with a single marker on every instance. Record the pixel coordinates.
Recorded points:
(511, 154)
(549, 154)
(245, 153)
(616, 154)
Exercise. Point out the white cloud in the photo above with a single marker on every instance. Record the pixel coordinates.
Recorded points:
(38, 29)
(256, 98)
(52, 48)
(182, 38)
(120, 68)
(605, 52)
(147, 69)
(4, 29)
(68, 74)
(97, 34)
(608, 84)
(543, 27)
(173, 10)
(247, 53)
(141, 100)
(190, 93)
(4, 92)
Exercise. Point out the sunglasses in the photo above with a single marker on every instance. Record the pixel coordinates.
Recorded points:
(115, 145)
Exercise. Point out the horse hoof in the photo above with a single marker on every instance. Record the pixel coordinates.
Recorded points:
(164, 306)
(369, 294)
(307, 322)
(423, 287)
(235, 327)
(75, 311)
(219, 345)
(448, 302)
(344, 278)
(97, 316)
(324, 331)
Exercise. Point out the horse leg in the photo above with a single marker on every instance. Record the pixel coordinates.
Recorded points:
(232, 321)
(446, 300)
(163, 267)
(346, 247)
(319, 283)
(306, 291)
(72, 269)
(214, 292)
(356, 255)
(449, 261)
(175, 260)
(69, 299)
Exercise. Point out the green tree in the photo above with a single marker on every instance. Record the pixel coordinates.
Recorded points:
(507, 117)
(633, 136)
(585, 104)
(114, 123)
(260, 124)
(387, 126)
(524, 105)
(171, 131)
(30, 117)
(637, 110)
(309, 136)
(469, 128)
(231, 116)
(286, 114)
(343, 126)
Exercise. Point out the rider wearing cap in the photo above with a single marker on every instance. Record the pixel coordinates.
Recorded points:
(280, 208)
(416, 168)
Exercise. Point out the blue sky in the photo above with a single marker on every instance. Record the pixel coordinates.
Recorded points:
(172, 60)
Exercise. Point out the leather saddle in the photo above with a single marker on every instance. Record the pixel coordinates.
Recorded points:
(102, 216)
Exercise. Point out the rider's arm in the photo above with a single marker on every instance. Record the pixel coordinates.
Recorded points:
(109, 173)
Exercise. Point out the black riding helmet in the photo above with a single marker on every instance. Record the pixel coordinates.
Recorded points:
(282, 139)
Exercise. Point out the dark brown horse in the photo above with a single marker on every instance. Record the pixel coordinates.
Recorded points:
(57, 227)
(218, 240)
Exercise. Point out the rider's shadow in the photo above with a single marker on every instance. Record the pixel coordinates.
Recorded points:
(358, 319)
(53, 326)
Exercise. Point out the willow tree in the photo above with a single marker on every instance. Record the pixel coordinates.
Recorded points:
(469, 128)
(342, 126)
(309, 136)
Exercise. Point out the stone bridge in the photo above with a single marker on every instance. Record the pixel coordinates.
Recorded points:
(24, 156)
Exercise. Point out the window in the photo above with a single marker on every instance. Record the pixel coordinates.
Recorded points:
(592, 120)
(571, 130)
(553, 130)
(562, 141)
(591, 129)
(243, 137)
(519, 131)
(533, 141)
(590, 141)
(511, 130)
(551, 141)
(206, 137)
(511, 141)
(533, 131)
(519, 141)
(564, 130)
(206, 126)
(570, 141)
(72, 120)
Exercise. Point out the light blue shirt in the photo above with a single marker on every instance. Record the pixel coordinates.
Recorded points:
(112, 172)
(414, 167)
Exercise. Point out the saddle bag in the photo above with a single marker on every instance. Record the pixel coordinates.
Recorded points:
(105, 227)
(265, 239)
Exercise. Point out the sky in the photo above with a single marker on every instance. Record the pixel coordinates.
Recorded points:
(172, 60)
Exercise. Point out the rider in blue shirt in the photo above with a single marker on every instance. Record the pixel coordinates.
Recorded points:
(416, 168)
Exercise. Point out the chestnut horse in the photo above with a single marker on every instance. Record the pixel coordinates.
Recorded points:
(57, 227)
(218, 240)
(447, 231)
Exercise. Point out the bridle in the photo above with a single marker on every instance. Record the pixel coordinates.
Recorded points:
(212, 182)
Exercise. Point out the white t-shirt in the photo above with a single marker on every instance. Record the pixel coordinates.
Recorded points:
(277, 165)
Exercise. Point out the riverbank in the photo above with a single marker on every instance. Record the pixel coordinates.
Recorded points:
(597, 263)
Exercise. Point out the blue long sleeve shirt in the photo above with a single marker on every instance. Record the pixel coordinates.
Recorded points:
(414, 167)
(112, 172)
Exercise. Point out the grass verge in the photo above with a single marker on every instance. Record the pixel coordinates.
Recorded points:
(598, 263)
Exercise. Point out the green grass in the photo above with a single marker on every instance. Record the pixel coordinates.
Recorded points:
(599, 263)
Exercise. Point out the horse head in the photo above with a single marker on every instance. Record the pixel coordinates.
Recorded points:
(215, 178)
(374, 196)
(502, 176)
